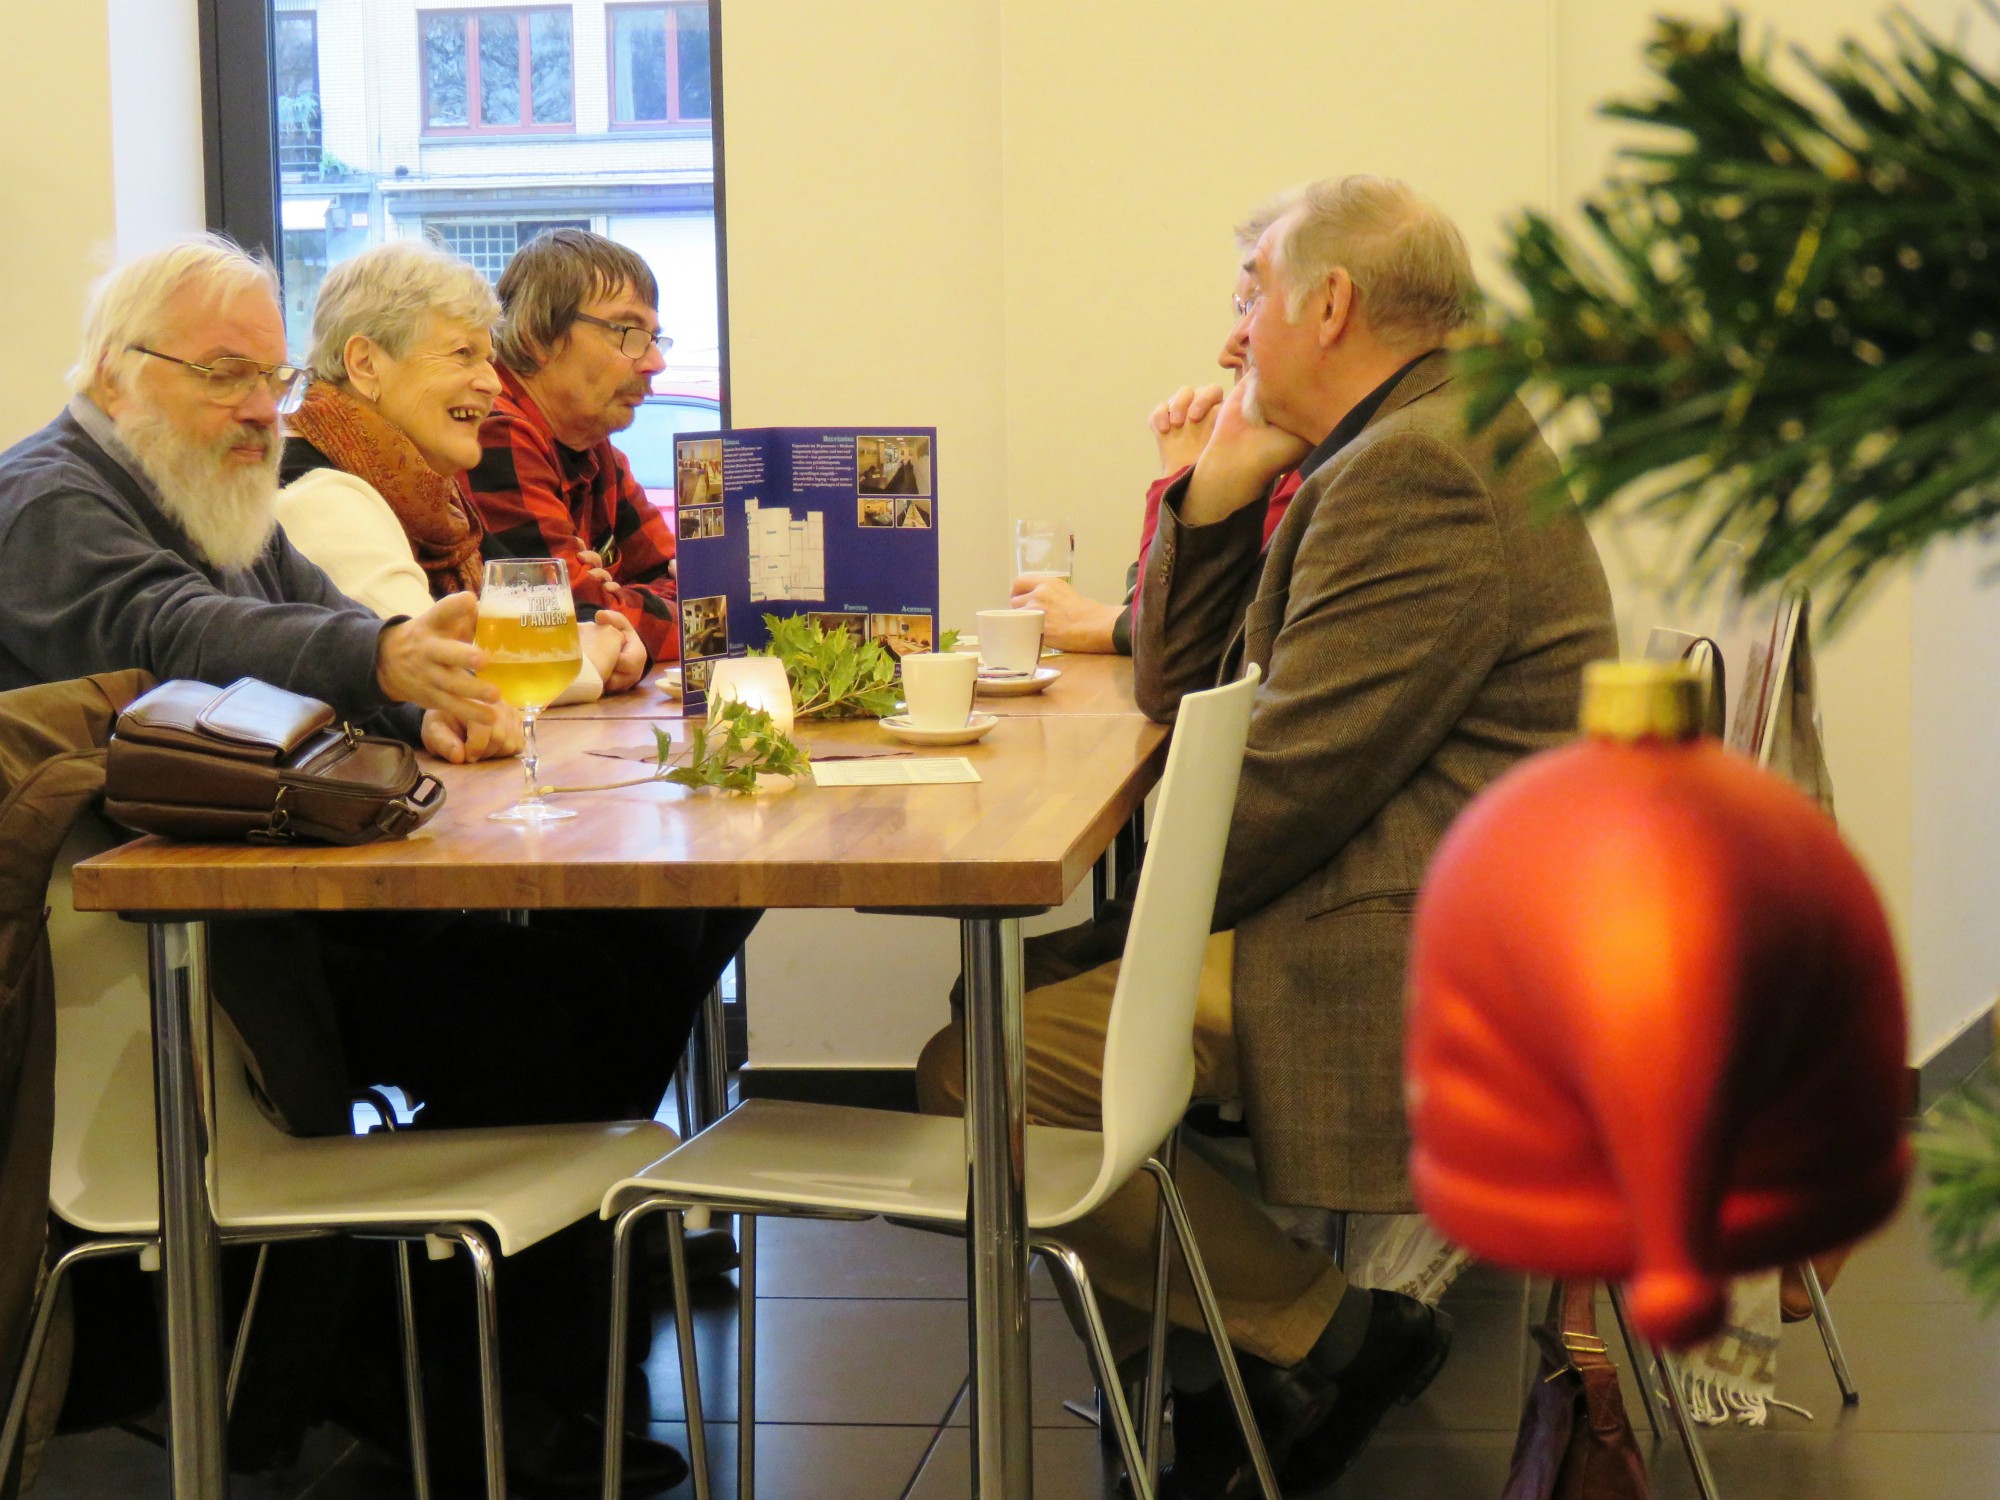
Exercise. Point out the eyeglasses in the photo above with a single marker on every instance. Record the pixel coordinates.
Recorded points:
(232, 378)
(632, 341)
(1244, 304)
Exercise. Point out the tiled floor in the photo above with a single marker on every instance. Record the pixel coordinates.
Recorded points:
(862, 1369)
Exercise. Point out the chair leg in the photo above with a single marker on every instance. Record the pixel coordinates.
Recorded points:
(38, 1332)
(746, 1357)
(1111, 1396)
(1684, 1425)
(243, 1330)
(1211, 1314)
(1642, 1365)
(413, 1374)
(1155, 1394)
(1823, 1319)
(487, 1298)
(614, 1377)
(690, 1372)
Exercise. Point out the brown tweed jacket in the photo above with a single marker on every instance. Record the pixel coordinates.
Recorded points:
(1420, 631)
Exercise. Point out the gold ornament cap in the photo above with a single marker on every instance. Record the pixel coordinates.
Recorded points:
(1641, 700)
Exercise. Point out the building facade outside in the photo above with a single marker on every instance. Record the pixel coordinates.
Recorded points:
(478, 126)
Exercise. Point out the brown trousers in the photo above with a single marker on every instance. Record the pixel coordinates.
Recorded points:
(1276, 1297)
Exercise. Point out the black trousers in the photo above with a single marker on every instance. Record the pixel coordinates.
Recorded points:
(578, 1016)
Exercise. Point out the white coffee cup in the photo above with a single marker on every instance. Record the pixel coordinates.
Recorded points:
(937, 688)
(1010, 640)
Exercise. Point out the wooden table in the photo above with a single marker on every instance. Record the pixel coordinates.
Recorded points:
(1058, 782)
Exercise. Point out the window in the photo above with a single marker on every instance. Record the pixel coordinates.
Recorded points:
(659, 64)
(296, 69)
(492, 71)
(488, 244)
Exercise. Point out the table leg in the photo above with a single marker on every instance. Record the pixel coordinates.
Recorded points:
(996, 1208)
(177, 956)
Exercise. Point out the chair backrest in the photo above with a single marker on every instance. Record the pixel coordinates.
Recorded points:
(102, 1174)
(1149, 1046)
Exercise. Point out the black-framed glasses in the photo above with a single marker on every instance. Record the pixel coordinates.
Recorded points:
(632, 340)
(232, 378)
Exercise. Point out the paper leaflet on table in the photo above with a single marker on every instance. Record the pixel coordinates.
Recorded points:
(840, 523)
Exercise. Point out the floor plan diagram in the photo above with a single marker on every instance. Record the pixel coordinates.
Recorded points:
(787, 553)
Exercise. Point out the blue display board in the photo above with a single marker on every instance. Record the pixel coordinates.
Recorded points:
(840, 523)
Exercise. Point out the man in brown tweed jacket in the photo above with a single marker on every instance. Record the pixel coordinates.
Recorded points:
(1420, 629)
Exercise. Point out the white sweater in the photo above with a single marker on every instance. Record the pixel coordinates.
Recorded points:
(341, 523)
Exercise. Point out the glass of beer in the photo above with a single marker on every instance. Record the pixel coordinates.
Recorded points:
(527, 631)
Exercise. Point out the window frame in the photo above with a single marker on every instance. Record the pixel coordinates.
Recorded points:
(674, 120)
(278, 18)
(475, 127)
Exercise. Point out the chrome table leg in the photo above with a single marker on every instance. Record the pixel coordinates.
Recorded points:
(996, 1208)
(190, 1249)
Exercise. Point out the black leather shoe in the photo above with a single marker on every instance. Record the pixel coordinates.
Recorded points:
(1211, 1461)
(1403, 1351)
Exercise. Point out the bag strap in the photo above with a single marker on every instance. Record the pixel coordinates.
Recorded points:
(1576, 1325)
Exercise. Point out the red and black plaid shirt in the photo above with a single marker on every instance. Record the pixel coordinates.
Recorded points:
(538, 498)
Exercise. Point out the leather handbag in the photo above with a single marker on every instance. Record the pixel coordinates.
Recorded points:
(1575, 1441)
(252, 761)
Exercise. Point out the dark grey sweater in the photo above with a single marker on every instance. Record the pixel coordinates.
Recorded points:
(95, 577)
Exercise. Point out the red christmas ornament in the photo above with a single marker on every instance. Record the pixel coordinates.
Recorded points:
(1656, 1027)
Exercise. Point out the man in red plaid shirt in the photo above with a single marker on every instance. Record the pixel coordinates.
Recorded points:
(577, 351)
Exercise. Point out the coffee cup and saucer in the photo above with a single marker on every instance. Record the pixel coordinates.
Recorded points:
(937, 699)
(1010, 650)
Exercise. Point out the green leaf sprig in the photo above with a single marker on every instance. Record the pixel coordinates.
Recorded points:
(834, 676)
(1961, 1157)
(727, 753)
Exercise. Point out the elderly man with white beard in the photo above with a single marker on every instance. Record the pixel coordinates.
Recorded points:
(138, 528)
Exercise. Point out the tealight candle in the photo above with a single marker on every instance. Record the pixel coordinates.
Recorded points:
(756, 681)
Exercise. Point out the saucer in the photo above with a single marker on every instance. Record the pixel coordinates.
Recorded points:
(669, 682)
(975, 728)
(1016, 687)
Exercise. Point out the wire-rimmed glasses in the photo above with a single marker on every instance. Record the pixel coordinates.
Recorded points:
(633, 341)
(230, 379)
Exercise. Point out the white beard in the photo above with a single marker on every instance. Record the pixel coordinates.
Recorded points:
(227, 510)
(1251, 400)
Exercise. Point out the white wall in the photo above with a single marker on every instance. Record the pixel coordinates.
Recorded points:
(1010, 218)
(1071, 174)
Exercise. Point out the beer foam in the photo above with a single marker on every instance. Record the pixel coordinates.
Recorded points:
(520, 604)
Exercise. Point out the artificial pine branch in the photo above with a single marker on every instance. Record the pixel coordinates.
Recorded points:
(1781, 330)
(1961, 1156)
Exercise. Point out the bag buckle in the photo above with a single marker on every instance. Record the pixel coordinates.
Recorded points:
(279, 831)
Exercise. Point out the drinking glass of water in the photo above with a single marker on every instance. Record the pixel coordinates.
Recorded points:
(1043, 549)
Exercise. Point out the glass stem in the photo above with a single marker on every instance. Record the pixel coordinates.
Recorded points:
(529, 760)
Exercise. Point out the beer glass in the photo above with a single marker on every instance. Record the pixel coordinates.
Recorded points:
(527, 631)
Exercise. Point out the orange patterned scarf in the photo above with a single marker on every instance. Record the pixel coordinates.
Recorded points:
(444, 531)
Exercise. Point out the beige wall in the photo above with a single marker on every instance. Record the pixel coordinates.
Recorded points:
(1071, 173)
(1010, 218)
(56, 198)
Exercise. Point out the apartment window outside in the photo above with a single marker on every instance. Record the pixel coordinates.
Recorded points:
(488, 244)
(659, 64)
(295, 68)
(497, 71)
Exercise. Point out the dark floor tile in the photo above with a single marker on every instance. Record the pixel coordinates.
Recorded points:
(1069, 1465)
(872, 1258)
(1920, 1367)
(1896, 1265)
(823, 1462)
(873, 1360)
(1481, 1385)
(1437, 1466)
(1061, 1370)
(89, 1465)
(1840, 1465)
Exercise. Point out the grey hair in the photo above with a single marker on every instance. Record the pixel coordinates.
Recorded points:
(1412, 274)
(389, 293)
(550, 278)
(126, 304)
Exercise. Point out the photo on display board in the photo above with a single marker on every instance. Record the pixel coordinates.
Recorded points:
(875, 512)
(892, 465)
(705, 626)
(698, 472)
(699, 525)
(913, 513)
(904, 635)
(694, 676)
(855, 625)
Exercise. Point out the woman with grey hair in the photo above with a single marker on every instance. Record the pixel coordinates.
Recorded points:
(402, 363)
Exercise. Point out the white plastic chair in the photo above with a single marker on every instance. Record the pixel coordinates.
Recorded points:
(444, 1187)
(772, 1156)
